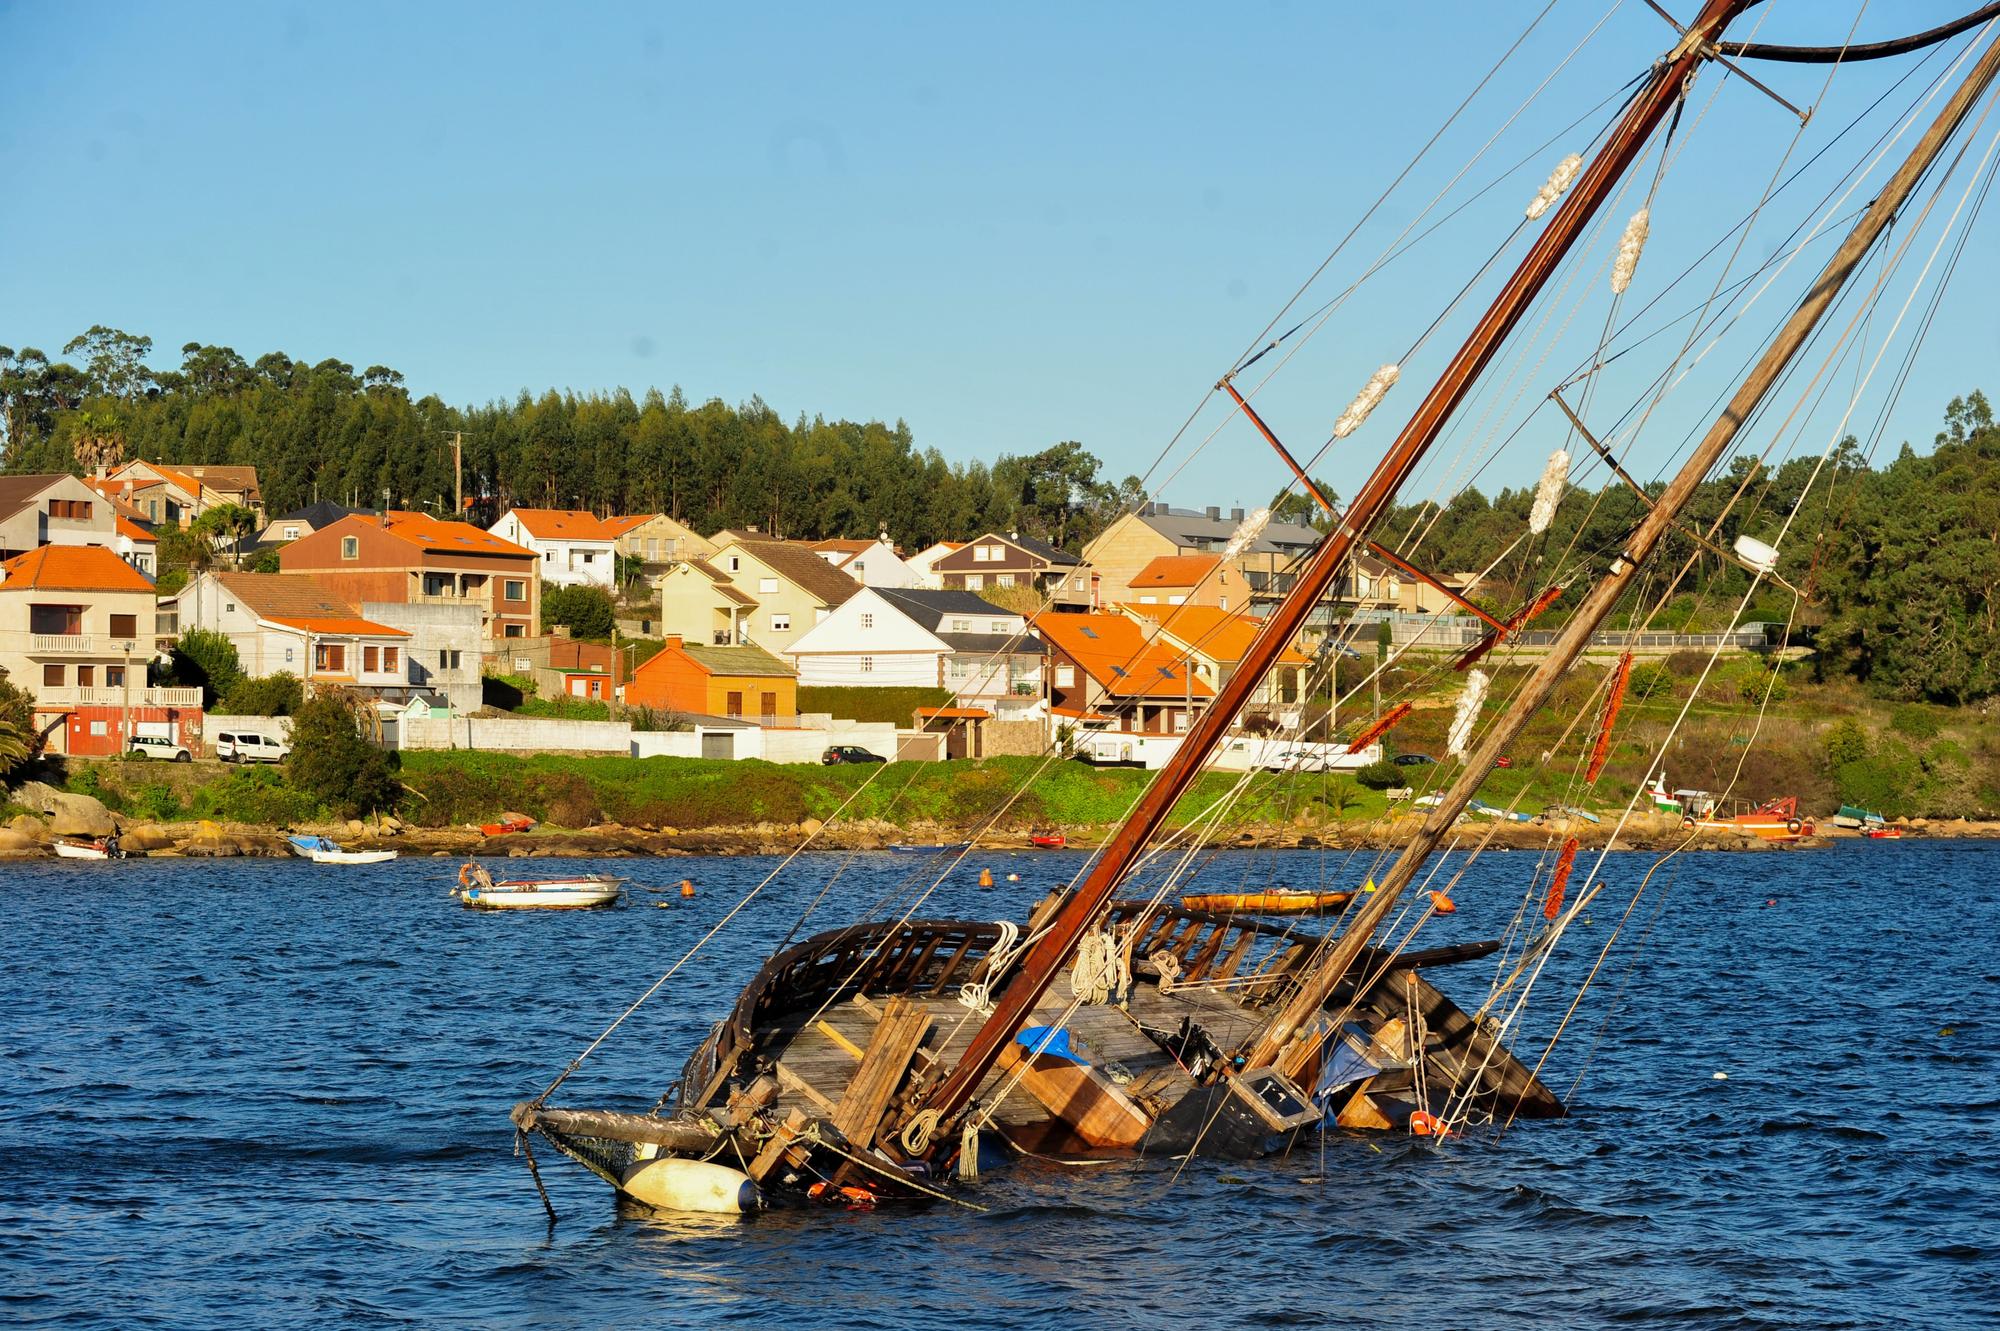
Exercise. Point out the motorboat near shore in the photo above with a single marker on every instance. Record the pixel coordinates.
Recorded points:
(102, 848)
(478, 890)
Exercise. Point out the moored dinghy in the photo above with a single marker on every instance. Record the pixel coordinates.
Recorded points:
(323, 850)
(478, 890)
(106, 848)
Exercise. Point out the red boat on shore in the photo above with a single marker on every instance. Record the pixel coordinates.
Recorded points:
(1048, 840)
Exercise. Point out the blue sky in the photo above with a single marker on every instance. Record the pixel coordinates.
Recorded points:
(1009, 227)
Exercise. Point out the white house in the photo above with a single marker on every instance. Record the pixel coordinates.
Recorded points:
(288, 622)
(888, 637)
(922, 565)
(575, 548)
(871, 563)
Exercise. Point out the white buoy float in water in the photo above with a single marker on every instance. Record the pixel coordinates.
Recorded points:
(672, 1184)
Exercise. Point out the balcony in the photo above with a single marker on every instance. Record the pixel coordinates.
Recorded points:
(74, 644)
(102, 696)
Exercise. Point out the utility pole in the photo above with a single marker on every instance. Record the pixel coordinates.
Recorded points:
(457, 474)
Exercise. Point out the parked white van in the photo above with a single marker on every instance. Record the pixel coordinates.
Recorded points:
(247, 746)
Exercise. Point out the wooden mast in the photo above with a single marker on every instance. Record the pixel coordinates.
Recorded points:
(1292, 1036)
(1660, 90)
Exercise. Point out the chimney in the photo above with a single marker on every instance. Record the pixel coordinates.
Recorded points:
(752, 527)
(1236, 515)
(1214, 513)
(1160, 508)
(674, 641)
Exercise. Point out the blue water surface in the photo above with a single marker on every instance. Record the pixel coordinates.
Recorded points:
(256, 1093)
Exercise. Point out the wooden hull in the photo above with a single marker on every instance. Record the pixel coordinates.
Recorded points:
(551, 894)
(804, 1074)
(1268, 903)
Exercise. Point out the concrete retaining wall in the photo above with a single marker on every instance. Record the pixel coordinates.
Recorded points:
(516, 734)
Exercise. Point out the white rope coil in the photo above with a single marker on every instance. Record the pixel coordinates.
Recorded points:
(1630, 246)
(1251, 528)
(1549, 492)
(978, 994)
(1559, 180)
(1169, 967)
(1100, 968)
(1467, 713)
(1365, 402)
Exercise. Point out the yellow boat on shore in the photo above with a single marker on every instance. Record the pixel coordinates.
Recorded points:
(1284, 901)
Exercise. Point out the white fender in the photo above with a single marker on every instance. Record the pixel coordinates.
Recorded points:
(691, 1185)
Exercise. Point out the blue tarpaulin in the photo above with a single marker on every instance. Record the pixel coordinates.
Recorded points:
(1050, 1040)
(1344, 1067)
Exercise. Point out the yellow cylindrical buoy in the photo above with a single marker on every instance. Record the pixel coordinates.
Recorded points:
(687, 887)
(986, 878)
(672, 1184)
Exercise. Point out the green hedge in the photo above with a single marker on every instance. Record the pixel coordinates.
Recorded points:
(896, 706)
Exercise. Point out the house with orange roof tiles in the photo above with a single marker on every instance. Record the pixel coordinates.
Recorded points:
(575, 548)
(1215, 641)
(1197, 579)
(289, 623)
(415, 559)
(180, 492)
(1106, 670)
(76, 631)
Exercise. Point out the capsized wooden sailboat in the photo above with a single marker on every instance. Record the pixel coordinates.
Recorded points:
(876, 1060)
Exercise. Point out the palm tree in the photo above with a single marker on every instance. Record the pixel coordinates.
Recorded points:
(227, 522)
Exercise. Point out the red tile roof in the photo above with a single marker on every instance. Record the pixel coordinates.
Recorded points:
(1177, 571)
(452, 538)
(298, 601)
(1220, 635)
(133, 531)
(73, 568)
(564, 524)
(1113, 651)
(365, 628)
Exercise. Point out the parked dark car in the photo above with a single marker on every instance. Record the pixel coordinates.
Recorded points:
(1412, 759)
(849, 753)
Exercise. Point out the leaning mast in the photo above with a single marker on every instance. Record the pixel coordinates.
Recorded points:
(1660, 91)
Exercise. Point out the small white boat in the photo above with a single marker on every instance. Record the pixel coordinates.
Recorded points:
(89, 850)
(579, 892)
(321, 850)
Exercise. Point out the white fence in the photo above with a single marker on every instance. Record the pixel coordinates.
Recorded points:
(771, 745)
(514, 734)
(1238, 753)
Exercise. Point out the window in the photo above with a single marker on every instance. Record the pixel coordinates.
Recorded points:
(350, 547)
(767, 706)
(1178, 598)
(860, 571)
(124, 626)
(734, 705)
(867, 621)
(1000, 626)
(447, 660)
(330, 657)
(62, 621)
(589, 556)
(1149, 599)
(735, 564)
(229, 607)
(652, 548)
(867, 665)
(371, 659)
(114, 676)
(52, 676)
(389, 657)
(288, 656)
(987, 554)
(73, 509)
(100, 727)
(961, 626)
(781, 623)
(515, 631)
(291, 533)
(766, 586)
(548, 556)
(974, 581)
(514, 589)
(1065, 676)
(1003, 579)
(86, 676)
(1225, 603)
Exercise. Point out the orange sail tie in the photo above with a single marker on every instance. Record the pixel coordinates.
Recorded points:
(1380, 728)
(1619, 679)
(1552, 903)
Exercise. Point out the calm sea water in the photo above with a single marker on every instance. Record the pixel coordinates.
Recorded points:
(251, 1093)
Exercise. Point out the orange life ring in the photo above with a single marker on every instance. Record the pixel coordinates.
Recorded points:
(1795, 827)
(465, 874)
(1688, 822)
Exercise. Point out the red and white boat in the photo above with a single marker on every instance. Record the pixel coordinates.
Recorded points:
(1773, 820)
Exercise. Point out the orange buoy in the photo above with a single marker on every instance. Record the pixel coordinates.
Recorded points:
(1443, 904)
(986, 878)
(687, 887)
(1427, 1125)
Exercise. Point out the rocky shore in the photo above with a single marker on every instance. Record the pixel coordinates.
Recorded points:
(64, 814)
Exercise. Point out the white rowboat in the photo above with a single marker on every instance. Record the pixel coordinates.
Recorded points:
(86, 850)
